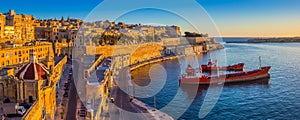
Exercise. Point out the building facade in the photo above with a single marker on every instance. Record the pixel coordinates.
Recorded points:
(18, 55)
(2, 24)
(34, 84)
(22, 26)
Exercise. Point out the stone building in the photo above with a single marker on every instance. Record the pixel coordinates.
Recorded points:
(23, 26)
(14, 56)
(9, 32)
(34, 84)
(2, 24)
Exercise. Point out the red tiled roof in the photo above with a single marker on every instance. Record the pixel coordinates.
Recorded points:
(32, 71)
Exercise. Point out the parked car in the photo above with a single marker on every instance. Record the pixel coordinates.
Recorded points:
(112, 100)
(66, 89)
(65, 85)
(66, 94)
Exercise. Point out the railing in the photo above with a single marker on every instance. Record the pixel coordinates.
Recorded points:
(93, 67)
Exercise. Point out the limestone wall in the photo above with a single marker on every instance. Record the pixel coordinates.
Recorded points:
(145, 52)
(137, 52)
(34, 113)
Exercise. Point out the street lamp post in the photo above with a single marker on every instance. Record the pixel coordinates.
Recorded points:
(154, 103)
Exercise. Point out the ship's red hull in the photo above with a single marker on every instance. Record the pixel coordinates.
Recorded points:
(229, 78)
(237, 67)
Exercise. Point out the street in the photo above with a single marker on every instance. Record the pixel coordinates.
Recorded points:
(122, 108)
(71, 109)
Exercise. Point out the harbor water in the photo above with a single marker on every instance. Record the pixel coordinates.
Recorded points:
(274, 98)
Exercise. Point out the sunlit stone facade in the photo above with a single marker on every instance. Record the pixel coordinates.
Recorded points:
(33, 83)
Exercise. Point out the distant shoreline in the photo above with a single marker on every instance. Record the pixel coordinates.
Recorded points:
(268, 40)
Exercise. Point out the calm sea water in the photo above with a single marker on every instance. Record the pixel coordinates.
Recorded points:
(276, 98)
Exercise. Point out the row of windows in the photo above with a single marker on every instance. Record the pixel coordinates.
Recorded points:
(22, 52)
(18, 60)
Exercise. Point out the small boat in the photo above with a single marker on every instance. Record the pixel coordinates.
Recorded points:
(194, 77)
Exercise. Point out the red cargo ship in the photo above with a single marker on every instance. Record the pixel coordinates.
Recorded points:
(236, 67)
(192, 77)
(213, 65)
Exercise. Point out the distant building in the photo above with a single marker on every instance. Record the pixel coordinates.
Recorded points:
(2, 24)
(23, 26)
(9, 32)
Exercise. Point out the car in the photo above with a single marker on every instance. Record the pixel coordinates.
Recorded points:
(66, 89)
(21, 110)
(26, 105)
(66, 94)
(82, 111)
(82, 107)
(112, 100)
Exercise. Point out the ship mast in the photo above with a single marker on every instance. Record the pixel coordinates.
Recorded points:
(259, 61)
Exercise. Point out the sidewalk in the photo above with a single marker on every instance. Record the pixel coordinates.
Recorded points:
(158, 115)
(78, 108)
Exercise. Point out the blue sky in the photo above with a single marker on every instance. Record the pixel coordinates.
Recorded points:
(231, 17)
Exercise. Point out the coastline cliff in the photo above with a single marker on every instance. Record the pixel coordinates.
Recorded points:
(265, 40)
(287, 39)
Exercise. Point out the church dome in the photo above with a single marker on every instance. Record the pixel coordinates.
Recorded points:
(32, 70)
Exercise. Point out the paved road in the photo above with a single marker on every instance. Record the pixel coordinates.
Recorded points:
(122, 109)
(72, 104)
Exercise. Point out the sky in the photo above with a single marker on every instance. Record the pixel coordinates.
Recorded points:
(228, 18)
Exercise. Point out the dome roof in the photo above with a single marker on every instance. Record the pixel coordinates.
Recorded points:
(32, 70)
